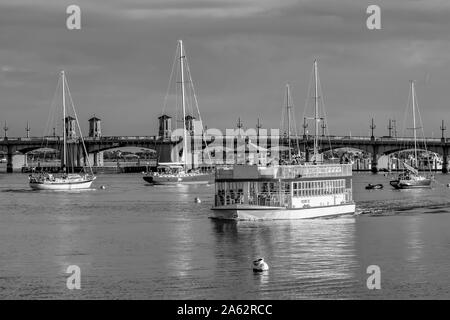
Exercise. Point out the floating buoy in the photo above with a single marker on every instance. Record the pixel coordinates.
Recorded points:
(102, 187)
(197, 200)
(260, 265)
(448, 185)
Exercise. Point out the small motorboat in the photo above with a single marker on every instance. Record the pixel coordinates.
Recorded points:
(260, 265)
(374, 186)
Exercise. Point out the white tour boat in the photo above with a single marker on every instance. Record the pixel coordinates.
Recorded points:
(64, 180)
(249, 192)
(300, 191)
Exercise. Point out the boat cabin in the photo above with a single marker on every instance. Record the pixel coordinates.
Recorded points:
(296, 186)
(169, 168)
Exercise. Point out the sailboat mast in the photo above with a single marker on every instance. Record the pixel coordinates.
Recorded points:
(414, 120)
(183, 103)
(316, 111)
(289, 120)
(64, 119)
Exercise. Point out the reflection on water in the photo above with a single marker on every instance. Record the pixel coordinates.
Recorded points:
(413, 239)
(137, 241)
(311, 258)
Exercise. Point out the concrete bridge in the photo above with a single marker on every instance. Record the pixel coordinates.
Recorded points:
(379, 146)
(169, 149)
(76, 156)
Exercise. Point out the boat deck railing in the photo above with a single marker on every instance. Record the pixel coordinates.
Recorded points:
(268, 199)
(284, 172)
(314, 171)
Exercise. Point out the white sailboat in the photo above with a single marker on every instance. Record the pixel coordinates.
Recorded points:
(179, 173)
(411, 178)
(64, 180)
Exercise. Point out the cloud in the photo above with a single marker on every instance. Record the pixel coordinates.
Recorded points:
(241, 55)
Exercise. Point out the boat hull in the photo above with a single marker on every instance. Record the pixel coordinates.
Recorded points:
(61, 186)
(194, 179)
(405, 184)
(148, 179)
(241, 212)
(374, 186)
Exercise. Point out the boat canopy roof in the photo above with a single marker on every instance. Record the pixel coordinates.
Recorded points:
(170, 165)
(411, 169)
(253, 172)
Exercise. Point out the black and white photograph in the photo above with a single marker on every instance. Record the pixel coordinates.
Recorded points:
(242, 151)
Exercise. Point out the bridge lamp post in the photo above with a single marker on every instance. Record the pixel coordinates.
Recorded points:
(443, 128)
(5, 129)
(372, 128)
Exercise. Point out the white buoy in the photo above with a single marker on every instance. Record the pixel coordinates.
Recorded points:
(260, 265)
(198, 200)
(102, 187)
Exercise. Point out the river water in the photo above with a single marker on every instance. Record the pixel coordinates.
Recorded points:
(136, 241)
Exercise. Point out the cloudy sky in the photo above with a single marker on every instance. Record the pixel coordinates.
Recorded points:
(241, 54)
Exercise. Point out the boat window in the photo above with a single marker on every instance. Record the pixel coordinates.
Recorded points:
(287, 187)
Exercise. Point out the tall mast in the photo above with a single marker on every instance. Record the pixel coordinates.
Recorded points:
(288, 107)
(316, 110)
(183, 103)
(64, 119)
(414, 120)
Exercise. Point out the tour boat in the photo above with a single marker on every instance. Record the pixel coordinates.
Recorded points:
(301, 191)
(247, 192)
(183, 173)
(411, 178)
(64, 180)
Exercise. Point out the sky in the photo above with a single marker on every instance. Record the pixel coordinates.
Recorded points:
(241, 54)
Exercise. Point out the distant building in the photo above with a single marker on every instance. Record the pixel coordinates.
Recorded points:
(95, 128)
(189, 121)
(165, 126)
(70, 127)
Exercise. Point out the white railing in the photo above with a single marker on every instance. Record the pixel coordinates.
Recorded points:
(314, 171)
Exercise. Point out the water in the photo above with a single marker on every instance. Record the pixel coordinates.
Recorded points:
(135, 241)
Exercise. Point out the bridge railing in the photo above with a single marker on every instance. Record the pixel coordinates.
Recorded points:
(154, 138)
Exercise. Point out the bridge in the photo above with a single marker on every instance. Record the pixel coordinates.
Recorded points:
(169, 149)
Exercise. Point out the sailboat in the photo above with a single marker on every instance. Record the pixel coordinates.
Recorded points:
(180, 173)
(411, 178)
(64, 180)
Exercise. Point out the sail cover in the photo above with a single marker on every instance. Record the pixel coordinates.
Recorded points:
(411, 169)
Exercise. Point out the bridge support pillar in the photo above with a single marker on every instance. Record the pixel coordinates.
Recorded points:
(71, 157)
(79, 152)
(374, 164)
(95, 164)
(9, 162)
(444, 160)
